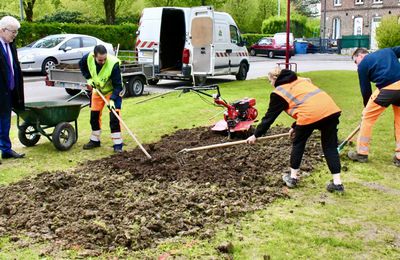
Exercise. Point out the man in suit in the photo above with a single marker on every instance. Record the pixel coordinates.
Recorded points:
(11, 83)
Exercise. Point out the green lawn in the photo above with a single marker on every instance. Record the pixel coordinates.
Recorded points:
(313, 224)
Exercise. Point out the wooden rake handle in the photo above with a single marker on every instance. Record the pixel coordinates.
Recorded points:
(355, 131)
(213, 146)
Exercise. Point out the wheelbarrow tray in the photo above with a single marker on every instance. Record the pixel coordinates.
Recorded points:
(49, 113)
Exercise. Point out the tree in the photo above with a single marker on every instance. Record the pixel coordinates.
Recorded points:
(306, 7)
(109, 7)
(28, 8)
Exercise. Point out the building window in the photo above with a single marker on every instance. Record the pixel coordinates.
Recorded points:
(336, 29)
(358, 26)
(377, 1)
(359, 2)
(337, 2)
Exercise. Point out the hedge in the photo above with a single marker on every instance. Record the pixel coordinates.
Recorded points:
(125, 35)
(388, 32)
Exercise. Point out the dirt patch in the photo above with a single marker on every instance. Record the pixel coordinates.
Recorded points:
(128, 201)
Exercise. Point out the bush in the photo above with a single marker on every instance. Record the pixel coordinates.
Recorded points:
(300, 26)
(125, 35)
(64, 17)
(388, 32)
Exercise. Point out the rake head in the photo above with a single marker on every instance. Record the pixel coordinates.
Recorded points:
(181, 157)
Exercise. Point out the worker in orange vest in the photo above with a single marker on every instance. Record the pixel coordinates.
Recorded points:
(383, 68)
(312, 109)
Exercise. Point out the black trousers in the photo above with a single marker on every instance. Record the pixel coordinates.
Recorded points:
(329, 142)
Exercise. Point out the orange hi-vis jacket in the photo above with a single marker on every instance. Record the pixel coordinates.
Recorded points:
(307, 103)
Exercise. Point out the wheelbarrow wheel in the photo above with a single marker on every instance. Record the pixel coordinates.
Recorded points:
(27, 135)
(64, 136)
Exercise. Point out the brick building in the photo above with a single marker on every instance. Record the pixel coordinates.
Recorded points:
(355, 17)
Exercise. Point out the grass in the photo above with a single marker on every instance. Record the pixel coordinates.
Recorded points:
(313, 224)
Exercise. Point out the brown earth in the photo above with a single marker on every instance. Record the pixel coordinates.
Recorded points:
(128, 201)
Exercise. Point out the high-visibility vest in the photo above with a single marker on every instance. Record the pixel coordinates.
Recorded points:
(307, 103)
(102, 80)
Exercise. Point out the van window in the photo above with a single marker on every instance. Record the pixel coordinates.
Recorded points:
(202, 31)
(234, 34)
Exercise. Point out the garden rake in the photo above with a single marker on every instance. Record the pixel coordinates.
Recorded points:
(180, 156)
(348, 138)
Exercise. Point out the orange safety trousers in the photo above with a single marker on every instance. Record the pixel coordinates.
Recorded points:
(97, 104)
(378, 102)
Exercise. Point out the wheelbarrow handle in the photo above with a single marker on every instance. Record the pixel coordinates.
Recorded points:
(213, 146)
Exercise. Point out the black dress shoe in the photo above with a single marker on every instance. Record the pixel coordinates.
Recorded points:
(12, 154)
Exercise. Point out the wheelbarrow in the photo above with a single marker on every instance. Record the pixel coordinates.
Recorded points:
(41, 116)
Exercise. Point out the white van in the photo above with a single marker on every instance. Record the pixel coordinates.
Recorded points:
(187, 43)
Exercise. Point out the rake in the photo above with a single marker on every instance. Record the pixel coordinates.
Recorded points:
(183, 153)
(348, 138)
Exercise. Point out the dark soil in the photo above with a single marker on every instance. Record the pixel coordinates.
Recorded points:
(128, 201)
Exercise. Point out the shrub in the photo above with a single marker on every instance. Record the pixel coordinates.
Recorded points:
(64, 17)
(388, 32)
(300, 26)
(125, 35)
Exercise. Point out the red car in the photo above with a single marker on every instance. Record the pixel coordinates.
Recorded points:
(273, 46)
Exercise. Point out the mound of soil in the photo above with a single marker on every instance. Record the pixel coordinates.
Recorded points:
(128, 201)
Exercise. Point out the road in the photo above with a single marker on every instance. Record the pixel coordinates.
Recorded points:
(36, 90)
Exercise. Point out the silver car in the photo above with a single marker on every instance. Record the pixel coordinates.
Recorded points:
(45, 53)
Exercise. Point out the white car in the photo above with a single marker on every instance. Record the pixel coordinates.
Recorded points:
(51, 50)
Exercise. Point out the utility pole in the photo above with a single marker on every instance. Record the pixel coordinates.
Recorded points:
(324, 27)
(21, 6)
(287, 34)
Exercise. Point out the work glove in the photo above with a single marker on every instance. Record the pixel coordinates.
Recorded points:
(251, 140)
(111, 104)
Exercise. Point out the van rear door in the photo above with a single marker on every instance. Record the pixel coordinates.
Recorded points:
(201, 35)
(148, 36)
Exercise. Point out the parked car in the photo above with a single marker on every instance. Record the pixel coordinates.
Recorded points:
(273, 46)
(51, 50)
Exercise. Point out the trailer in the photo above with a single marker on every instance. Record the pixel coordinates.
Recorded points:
(134, 75)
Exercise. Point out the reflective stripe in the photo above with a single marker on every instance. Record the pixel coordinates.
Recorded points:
(116, 137)
(95, 136)
(363, 149)
(308, 96)
(364, 139)
(288, 95)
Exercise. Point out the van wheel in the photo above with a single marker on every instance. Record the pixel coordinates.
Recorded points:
(271, 54)
(136, 86)
(72, 92)
(252, 52)
(200, 80)
(242, 73)
(152, 81)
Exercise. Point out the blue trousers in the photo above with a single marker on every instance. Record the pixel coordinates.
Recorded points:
(5, 124)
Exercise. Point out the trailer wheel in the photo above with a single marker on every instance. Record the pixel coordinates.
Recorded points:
(242, 73)
(64, 136)
(153, 81)
(27, 135)
(72, 92)
(136, 86)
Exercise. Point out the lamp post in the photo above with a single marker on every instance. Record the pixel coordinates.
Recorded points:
(287, 34)
(21, 6)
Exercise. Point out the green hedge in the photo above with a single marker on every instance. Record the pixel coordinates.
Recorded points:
(300, 26)
(125, 35)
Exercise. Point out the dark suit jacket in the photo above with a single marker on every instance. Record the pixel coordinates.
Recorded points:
(17, 95)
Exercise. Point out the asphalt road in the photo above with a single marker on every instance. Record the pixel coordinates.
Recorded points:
(36, 90)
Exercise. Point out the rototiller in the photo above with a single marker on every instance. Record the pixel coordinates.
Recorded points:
(239, 116)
